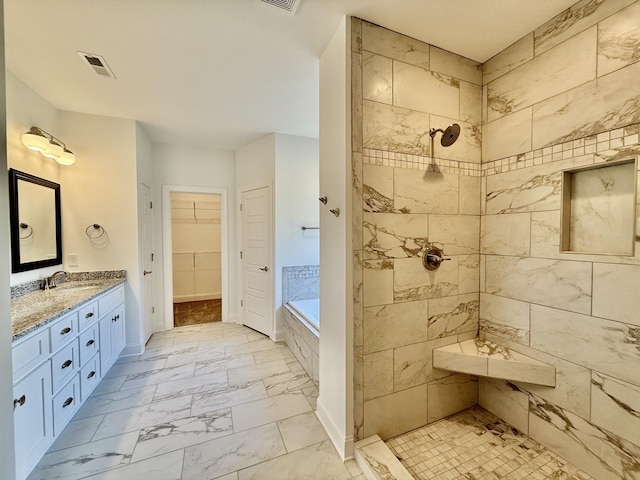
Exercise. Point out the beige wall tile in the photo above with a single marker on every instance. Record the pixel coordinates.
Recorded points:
(469, 195)
(505, 318)
(411, 281)
(506, 234)
(377, 78)
(378, 374)
(618, 40)
(416, 191)
(377, 188)
(393, 326)
(456, 66)
(390, 235)
(509, 135)
(394, 45)
(377, 278)
(453, 315)
(425, 91)
(468, 273)
(456, 234)
(615, 405)
(555, 283)
(396, 129)
(508, 59)
(504, 401)
(383, 417)
(570, 64)
(450, 395)
(615, 292)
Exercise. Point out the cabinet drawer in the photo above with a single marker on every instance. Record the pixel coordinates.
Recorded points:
(111, 300)
(64, 365)
(89, 377)
(89, 344)
(88, 315)
(63, 331)
(30, 352)
(65, 403)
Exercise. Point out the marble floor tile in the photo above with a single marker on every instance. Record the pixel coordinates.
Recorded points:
(85, 460)
(261, 412)
(154, 377)
(112, 402)
(224, 455)
(170, 435)
(234, 395)
(301, 431)
(131, 419)
(181, 426)
(247, 374)
(213, 382)
(316, 462)
(77, 432)
(163, 467)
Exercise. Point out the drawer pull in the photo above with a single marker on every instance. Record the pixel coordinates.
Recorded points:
(90, 342)
(67, 364)
(92, 373)
(65, 330)
(89, 315)
(67, 402)
(18, 402)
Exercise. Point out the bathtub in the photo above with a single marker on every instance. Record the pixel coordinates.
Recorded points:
(302, 333)
(309, 310)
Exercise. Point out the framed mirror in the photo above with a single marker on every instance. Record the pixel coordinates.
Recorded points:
(36, 225)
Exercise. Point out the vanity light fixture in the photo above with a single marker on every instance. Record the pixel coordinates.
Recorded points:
(40, 141)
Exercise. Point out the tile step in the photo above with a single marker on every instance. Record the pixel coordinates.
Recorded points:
(378, 462)
(488, 359)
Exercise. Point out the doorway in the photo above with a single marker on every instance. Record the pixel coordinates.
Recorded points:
(195, 255)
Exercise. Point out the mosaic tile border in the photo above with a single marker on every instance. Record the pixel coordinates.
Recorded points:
(606, 144)
(419, 162)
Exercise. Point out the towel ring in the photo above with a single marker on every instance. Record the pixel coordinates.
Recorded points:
(98, 229)
(28, 228)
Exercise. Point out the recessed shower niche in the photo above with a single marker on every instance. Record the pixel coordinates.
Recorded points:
(599, 209)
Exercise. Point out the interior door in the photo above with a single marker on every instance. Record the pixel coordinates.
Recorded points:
(147, 262)
(256, 261)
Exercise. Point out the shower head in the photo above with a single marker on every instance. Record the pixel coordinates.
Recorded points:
(449, 134)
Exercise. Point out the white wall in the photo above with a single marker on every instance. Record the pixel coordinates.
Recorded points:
(25, 108)
(335, 403)
(101, 187)
(7, 462)
(296, 204)
(185, 166)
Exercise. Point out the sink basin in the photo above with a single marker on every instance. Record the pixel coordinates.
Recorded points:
(76, 287)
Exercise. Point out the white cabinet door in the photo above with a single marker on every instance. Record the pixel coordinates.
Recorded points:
(118, 338)
(106, 358)
(33, 419)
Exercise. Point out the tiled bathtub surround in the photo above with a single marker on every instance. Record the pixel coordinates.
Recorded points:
(300, 282)
(402, 200)
(575, 311)
(303, 342)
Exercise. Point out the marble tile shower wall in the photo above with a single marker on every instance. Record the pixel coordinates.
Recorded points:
(565, 96)
(400, 89)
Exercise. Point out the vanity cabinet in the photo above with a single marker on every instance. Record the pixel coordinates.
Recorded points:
(55, 369)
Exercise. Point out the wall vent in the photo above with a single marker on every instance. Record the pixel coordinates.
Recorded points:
(289, 6)
(97, 64)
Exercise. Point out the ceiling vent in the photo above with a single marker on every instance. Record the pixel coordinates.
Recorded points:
(289, 6)
(97, 64)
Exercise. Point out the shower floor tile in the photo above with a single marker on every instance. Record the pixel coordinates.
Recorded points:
(474, 445)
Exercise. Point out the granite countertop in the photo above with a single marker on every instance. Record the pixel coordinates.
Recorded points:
(31, 311)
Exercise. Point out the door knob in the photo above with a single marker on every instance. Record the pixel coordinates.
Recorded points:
(264, 269)
(147, 272)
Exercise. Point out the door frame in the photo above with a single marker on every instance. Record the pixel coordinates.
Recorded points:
(271, 219)
(144, 335)
(167, 247)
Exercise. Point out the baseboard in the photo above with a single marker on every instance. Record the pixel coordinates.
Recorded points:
(130, 350)
(279, 336)
(344, 445)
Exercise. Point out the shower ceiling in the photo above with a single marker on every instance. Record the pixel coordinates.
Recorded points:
(221, 73)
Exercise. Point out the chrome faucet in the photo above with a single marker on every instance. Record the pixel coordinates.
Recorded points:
(50, 282)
